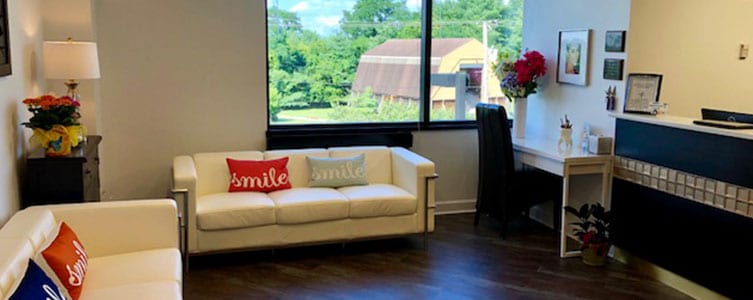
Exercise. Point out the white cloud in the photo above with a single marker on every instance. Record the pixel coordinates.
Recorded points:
(330, 20)
(413, 5)
(300, 6)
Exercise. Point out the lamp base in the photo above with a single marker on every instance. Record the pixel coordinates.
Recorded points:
(72, 92)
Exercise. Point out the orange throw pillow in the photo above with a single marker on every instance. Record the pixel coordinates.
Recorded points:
(65, 257)
(258, 175)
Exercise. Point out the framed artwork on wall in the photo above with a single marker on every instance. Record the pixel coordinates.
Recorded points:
(613, 68)
(642, 93)
(614, 41)
(572, 57)
(4, 40)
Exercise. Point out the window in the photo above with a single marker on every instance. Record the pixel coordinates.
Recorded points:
(336, 62)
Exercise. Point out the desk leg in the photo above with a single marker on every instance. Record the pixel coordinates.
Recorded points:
(563, 222)
(606, 186)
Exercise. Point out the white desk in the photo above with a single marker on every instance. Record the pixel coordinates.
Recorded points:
(544, 154)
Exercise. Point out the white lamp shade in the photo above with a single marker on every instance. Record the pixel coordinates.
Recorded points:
(71, 60)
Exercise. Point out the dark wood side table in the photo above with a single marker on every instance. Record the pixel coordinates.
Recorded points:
(71, 179)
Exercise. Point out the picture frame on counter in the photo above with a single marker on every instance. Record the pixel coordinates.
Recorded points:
(642, 92)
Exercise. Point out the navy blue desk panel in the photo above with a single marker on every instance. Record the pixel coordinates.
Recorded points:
(704, 244)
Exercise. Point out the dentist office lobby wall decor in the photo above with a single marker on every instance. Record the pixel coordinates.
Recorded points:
(572, 57)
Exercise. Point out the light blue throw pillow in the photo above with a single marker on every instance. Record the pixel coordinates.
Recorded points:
(337, 172)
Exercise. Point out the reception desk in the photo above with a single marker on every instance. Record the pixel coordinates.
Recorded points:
(682, 196)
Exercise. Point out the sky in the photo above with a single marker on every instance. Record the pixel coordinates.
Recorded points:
(323, 16)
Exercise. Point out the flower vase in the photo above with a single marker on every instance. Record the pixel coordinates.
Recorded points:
(519, 117)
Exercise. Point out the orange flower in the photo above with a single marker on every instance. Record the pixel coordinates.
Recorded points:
(48, 107)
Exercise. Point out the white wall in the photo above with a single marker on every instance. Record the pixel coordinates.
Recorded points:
(542, 21)
(73, 18)
(694, 44)
(178, 77)
(185, 76)
(25, 38)
(455, 154)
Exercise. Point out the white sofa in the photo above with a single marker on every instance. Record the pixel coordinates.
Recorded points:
(132, 247)
(399, 200)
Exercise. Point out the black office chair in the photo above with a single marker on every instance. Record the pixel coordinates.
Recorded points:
(503, 192)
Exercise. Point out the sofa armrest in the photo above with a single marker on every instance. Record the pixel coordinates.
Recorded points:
(185, 178)
(116, 227)
(412, 172)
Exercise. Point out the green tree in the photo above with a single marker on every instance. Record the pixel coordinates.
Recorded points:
(464, 18)
(381, 20)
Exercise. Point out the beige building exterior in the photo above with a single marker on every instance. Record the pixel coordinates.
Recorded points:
(391, 70)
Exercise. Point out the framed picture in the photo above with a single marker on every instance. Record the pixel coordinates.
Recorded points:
(572, 59)
(642, 93)
(613, 68)
(614, 41)
(4, 40)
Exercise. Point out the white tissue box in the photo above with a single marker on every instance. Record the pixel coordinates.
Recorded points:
(599, 144)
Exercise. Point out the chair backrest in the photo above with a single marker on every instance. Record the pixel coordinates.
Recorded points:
(496, 165)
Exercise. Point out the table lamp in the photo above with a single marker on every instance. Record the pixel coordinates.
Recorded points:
(71, 61)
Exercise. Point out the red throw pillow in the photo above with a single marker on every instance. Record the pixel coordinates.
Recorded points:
(65, 257)
(258, 175)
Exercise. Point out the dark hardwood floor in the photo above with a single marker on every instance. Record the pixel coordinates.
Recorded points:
(462, 262)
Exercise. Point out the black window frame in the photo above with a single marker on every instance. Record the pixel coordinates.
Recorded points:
(424, 122)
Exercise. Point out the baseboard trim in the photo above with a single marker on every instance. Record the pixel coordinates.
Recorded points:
(692, 289)
(450, 207)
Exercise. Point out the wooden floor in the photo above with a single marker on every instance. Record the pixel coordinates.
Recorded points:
(462, 262)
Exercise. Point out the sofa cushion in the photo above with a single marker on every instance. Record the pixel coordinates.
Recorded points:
(34, 223)
(140, 291)
(304, 205)
(378, 161)
(133, 268)
(377, 200)
(65, 257)
(234, 210)
(337, 172)
(212, 172)
(258, 175)
(15, 254)
(297, 167)
(35, 284)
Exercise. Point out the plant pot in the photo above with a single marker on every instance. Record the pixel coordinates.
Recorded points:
(596, 254)
(57, 141)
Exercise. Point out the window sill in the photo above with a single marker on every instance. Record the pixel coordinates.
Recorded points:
(335, 135)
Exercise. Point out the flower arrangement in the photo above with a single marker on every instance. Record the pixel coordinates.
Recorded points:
(518, 77)
(592, 230)
(49, 111)
(55, 123)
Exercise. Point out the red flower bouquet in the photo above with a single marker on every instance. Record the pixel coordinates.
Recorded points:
(518, 78)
